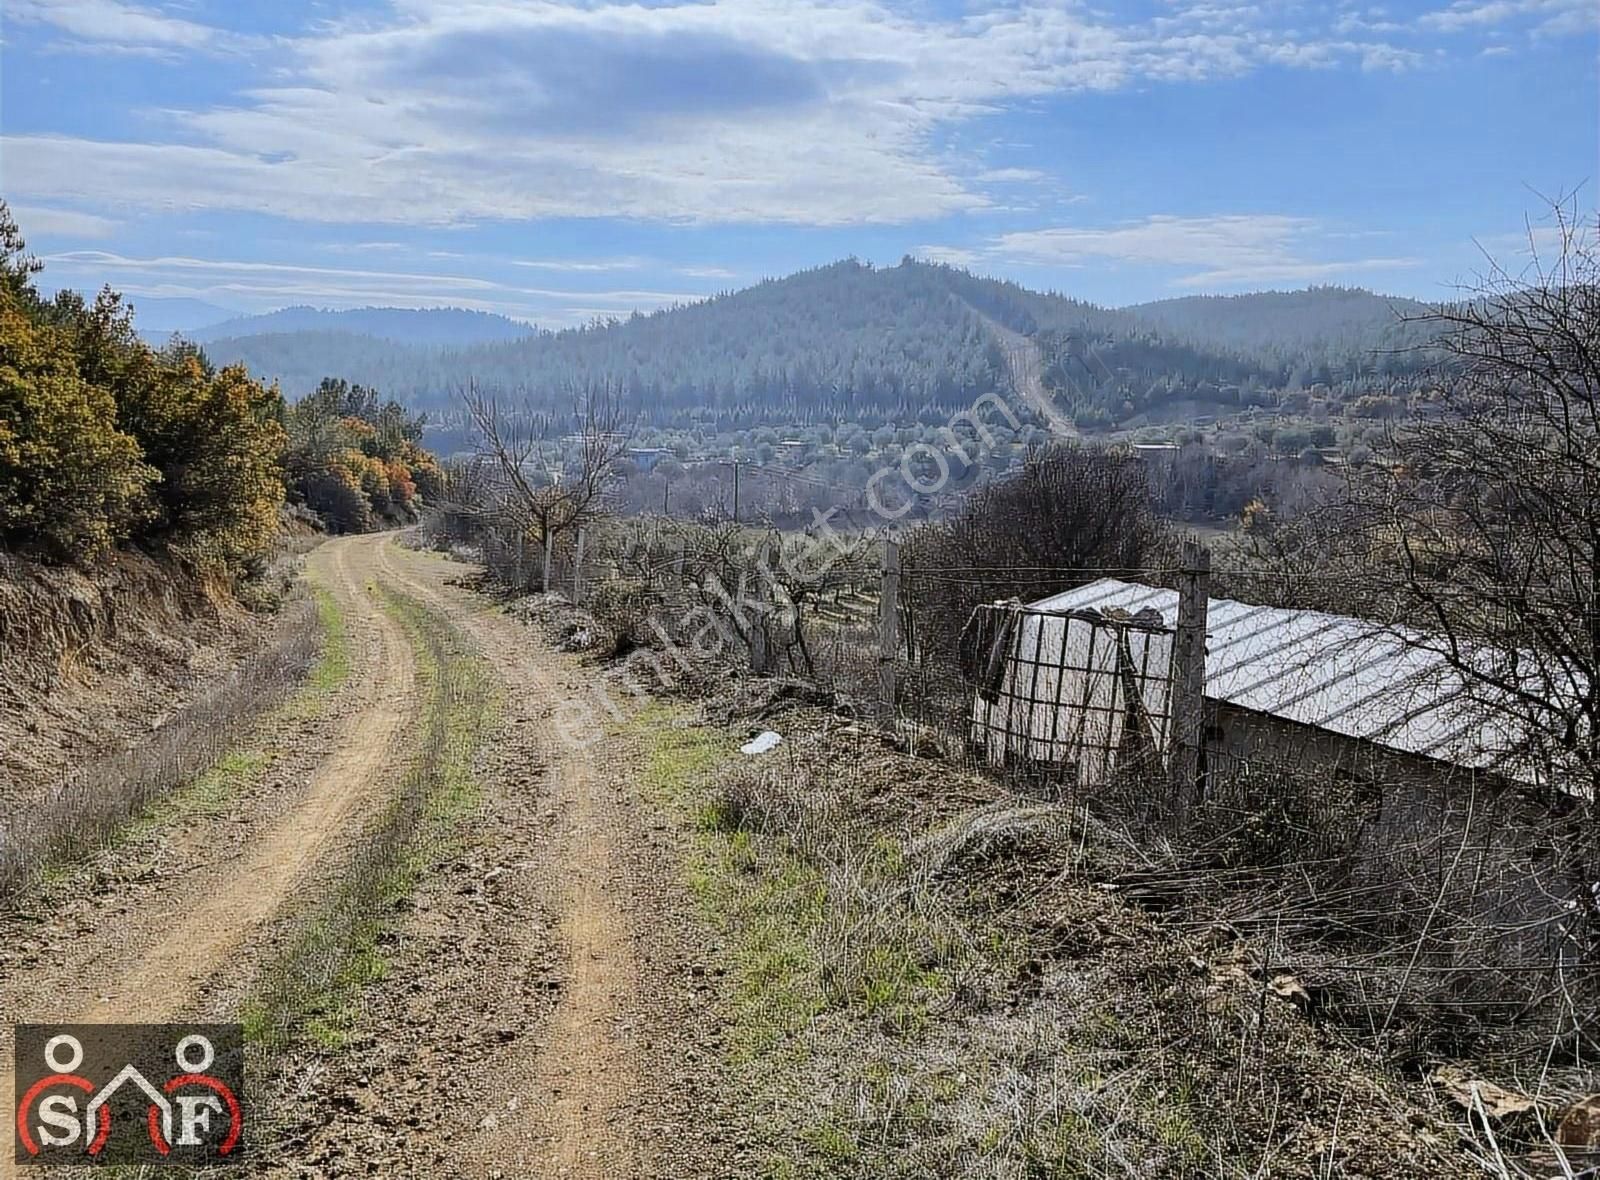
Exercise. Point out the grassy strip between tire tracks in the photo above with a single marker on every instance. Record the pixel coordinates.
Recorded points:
(311, 994)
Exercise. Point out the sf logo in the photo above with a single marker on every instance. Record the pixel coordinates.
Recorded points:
(64, 1112)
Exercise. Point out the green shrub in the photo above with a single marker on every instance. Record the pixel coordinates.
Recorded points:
(104, 439)
(71, 483)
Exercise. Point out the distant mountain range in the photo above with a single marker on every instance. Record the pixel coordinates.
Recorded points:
(896, 342)
(159, 316)
(436, 327)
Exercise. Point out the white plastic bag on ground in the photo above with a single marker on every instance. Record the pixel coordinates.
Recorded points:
(761, 743)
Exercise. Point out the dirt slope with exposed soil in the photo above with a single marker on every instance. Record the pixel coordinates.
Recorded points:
(88, 663)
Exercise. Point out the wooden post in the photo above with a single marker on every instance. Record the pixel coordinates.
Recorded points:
(577, 572)
(549, 554)
(1189, 671)
(758, 620)
(735, 491)
(888, 631)
(522, 547)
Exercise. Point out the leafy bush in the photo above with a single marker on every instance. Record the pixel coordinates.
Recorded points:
(216, 439)
(71, 483)
(104, 440)
(334, 493)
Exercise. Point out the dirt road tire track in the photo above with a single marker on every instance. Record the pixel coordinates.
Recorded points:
(148, 955)
(588, 1047)
(575, 1085)
(355, 773)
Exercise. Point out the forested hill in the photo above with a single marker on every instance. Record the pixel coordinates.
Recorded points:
(823, 343)
(1283, 323)
(914, 340)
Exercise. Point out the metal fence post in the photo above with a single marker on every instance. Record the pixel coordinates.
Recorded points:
(577, 572)
(888, 631)
(1189, 670)
(549, 553)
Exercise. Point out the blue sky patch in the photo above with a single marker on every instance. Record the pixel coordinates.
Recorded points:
(561, 161)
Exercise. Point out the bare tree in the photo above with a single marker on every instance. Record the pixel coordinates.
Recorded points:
(1476, 534)
(1072, 514)
(1491, 500)
(538, 493)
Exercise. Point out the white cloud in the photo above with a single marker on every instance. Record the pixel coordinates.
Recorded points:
(261, 285)
(1466, 14)
(1387, 57)
(111, 24)
(1543, 244)
(952, 255)
(1221, 250)
(365, 247)
(576, 266)
(824, 112)
(35, 220)
(1011, 175)
(1292, 270)
(1554, 18)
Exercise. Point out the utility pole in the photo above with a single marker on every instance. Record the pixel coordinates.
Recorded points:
(760, 651)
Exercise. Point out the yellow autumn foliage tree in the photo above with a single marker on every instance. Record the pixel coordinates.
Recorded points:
(105, 440)
(356, 461)
(71, 482)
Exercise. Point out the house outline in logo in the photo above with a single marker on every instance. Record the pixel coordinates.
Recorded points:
(128, 1074)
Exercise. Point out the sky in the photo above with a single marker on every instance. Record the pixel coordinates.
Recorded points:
(558, 161)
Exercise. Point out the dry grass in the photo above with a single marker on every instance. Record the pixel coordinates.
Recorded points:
(84, 813)
(931, 979)
(1431, 922)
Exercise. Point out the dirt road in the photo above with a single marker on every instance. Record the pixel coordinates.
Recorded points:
(595, 998)
(546, 1011)
(1026, 364)
(172, 926)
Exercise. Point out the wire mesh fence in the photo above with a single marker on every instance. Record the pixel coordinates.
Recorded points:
(1425, 906)
(1075, 689)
